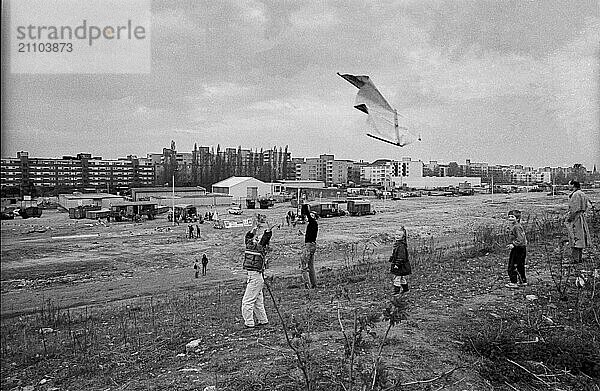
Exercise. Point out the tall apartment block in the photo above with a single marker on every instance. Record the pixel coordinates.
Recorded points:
(81, 171)
(324, 168)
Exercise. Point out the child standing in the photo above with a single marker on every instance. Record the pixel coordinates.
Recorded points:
(196, 268)
(518, 250)
(400, 264)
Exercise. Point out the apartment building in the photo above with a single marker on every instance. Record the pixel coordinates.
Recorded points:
(81, 171)
(381, 172)
(296, 173)
(324, 168)
(354, 172)
(475, 169)
(530, 177)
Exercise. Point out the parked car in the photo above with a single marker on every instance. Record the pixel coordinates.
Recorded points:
(235, 210)
(7, 214)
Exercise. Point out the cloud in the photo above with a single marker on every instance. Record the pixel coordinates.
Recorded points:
(535, 28)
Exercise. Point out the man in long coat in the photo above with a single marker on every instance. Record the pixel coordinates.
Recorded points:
(577, 227)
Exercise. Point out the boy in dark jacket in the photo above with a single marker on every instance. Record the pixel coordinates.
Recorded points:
(400, 264)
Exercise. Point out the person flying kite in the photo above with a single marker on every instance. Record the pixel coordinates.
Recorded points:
(383, 119)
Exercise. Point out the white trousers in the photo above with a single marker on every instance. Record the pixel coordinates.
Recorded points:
(253, 300)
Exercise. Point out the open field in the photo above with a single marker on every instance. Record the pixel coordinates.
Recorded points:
(122, 303)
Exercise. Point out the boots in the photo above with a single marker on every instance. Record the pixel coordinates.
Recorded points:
(404, 288)
(396, 290)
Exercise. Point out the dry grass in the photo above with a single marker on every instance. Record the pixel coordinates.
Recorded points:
(347, 334)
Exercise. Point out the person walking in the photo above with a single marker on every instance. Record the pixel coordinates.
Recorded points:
(400, 263)
(576, 224)
(204, 264)
(307, 261)
(197, 231)
(518, 251)
(255, 264)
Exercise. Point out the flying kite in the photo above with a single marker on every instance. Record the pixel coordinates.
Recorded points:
(383, 119)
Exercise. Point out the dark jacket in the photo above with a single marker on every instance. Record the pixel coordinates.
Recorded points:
(312, 228)
(517, 236)
(399, 259)
(254, 255)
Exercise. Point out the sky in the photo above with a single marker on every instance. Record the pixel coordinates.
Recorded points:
(503, 82)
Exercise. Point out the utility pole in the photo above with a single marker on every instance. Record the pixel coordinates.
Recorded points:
(492, 188)
(173, 198)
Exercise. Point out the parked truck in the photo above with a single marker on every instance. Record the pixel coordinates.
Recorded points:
(464, 188)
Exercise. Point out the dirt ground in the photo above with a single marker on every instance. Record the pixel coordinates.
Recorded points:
(77, 263)
(82, 262)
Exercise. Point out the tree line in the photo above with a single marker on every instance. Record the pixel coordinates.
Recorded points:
(209, 165)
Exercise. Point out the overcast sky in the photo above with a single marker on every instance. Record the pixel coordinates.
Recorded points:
(504, 82)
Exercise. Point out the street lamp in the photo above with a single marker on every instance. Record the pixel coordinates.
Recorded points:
(173, 198)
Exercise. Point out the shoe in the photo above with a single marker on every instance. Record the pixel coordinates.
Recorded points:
(523, 283)
(512, 285)
(249, 327)
(262, 325)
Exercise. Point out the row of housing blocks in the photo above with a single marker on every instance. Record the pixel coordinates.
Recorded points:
(384, 171)
(204, 167)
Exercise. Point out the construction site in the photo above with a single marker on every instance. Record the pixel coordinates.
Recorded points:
(63, 277)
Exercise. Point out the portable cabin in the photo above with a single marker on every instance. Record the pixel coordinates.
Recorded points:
(359, 208)
(326, 209)
(80, 212)
(97, 214)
